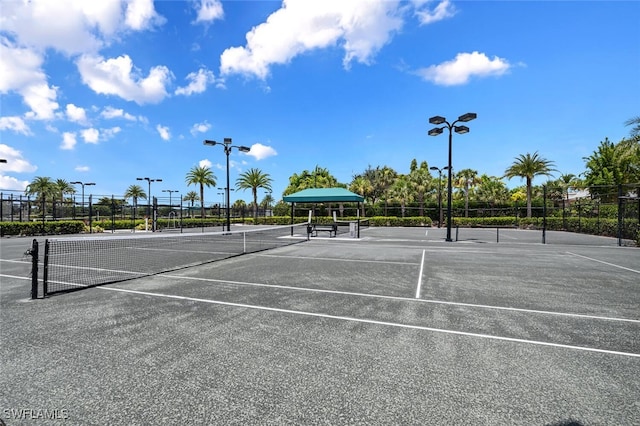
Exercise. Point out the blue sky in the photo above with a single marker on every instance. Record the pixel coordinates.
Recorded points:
(109, 91)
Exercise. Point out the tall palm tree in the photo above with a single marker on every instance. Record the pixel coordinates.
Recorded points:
(135, 192)
(254, 179)
(420, 182)
(361, 185)
(401, 192)
(191, 197)
(528, 166)
(63, 187)
(467, 179)
(42, 188)
(202, 176)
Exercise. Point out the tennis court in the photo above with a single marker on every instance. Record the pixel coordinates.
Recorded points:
(397, 327)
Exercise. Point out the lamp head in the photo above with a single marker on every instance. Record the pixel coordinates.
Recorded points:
(75, 183)
(468, 117)
(244, 149)
(435, 131)
(433, 168)
(461, 129)
(227, 141)
(210, 143)
(437, 120)
(90, 183)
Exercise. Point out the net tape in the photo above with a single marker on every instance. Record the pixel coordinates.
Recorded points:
(80, 262)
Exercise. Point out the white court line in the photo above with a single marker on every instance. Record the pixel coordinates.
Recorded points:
(605, 263)
(420, 276)
(368, 321)
(405, 299)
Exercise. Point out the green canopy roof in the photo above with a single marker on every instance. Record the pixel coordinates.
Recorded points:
(323, 195)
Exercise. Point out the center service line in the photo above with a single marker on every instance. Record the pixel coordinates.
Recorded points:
(370, 321)
(420, 276)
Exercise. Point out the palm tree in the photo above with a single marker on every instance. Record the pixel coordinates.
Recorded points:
(635, 130)
(528, 166)
(42, 188)
(201, 175)
(420, 182)
(467, 179)
(254, 179)
(63, 187)
(135, 192)
(191, 197)
(401, 191)
(361, 185)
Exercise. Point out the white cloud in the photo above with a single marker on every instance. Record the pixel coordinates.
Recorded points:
(198, 82)
(76, 114)
(164, 132)
(200, 128)
(463, 67)
(90, 135)
(110, 112)
(11, 183)
(21, 73)
(140, 15)
(82, 169)
(361, 28)
(209, 10)
(68, 141)
(15, 124)
(445, 9)
(205, 163)
(109, 133)
(260, 152)
(15, 162)
(117, 76)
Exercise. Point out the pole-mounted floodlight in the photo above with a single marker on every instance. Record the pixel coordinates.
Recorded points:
(227, 150)
(149, 180)
(467, 117)
(83, 184)
(458, 129)
(3, 160)
(437, 120)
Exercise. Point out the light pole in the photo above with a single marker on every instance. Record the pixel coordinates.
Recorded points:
(83, 185)
(437, 120)
(227, 150)
(149, 193)
(439, 191)
(170, 191)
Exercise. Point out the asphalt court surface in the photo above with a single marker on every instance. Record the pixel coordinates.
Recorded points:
(398, 327)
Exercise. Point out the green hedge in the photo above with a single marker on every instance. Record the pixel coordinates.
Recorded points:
(38, 228)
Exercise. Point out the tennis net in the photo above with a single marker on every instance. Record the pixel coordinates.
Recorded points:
(79, 262)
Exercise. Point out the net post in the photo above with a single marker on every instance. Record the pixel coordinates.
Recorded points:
(33, 252)
(497, 234)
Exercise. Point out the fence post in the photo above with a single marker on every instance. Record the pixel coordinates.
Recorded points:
(90, 213)
(113, 215)
(544, 214)
(620, 215)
